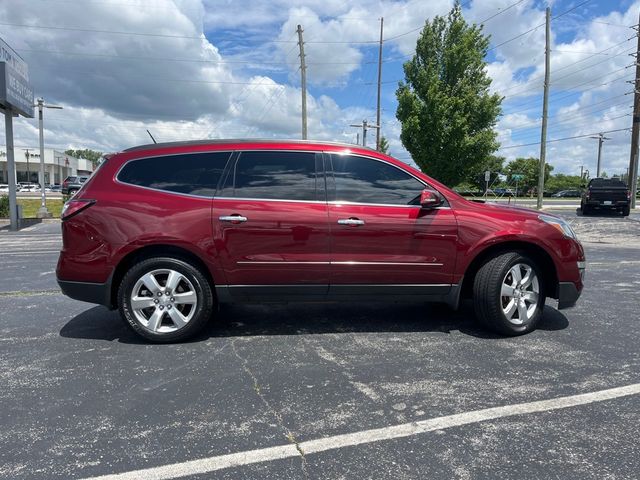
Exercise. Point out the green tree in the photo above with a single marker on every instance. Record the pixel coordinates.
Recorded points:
(561, 181)
(444, 105)
(494, 164)
(384, 145)
(530, 169)
(92, 155)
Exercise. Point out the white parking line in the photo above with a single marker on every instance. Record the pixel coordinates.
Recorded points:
(211, 464)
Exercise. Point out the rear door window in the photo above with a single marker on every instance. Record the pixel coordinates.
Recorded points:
(193, 173)
(275, 175)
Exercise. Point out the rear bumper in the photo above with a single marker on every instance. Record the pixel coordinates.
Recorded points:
(614, 204)
(568, 295)
(99, 293)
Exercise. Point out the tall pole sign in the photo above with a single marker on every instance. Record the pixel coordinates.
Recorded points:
(16, 98)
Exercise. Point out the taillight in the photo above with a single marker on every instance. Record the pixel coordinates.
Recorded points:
(74, 207)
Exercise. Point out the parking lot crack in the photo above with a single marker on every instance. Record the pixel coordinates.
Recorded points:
(288, 434)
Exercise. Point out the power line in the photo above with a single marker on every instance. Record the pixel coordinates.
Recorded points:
(501, 11)
(572, 64)
(413, 30)
(538, 26)
(164, 35)
(563, 139)
(188, 60)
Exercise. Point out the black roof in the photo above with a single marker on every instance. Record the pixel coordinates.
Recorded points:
(242, 140)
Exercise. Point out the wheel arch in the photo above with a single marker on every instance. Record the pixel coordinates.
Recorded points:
(151, 251)
(535, 252)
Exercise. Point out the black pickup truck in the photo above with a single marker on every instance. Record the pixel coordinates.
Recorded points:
(606, 193)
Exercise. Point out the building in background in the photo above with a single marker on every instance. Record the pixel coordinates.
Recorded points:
(57, 165)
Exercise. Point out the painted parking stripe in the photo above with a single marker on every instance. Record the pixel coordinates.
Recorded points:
(212, 464)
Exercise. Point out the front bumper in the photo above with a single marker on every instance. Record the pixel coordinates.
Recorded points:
(568, 294)
(99, 293)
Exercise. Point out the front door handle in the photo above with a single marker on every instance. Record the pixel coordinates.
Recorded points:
(353, 222)
(235, 218)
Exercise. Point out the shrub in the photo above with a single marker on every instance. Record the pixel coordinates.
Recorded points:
(4, 206)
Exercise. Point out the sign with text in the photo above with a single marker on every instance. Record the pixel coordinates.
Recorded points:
(15, 92)
(8, 55)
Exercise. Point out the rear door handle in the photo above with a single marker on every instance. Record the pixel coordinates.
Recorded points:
(235, 218)
(353, 222)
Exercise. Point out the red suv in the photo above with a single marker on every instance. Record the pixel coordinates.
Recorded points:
(164, 232)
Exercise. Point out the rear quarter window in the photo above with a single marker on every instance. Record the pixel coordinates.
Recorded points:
(192, 174)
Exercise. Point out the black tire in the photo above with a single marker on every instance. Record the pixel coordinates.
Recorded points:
(72, 191)
(626, 211)
(488, 300)
(192, 280)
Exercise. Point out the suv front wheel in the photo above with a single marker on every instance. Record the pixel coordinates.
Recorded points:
(509, 294)
(165, 299)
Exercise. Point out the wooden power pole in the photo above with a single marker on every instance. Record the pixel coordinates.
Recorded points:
(303, 73)
(635, 129)
(545, 107)
(379, 85)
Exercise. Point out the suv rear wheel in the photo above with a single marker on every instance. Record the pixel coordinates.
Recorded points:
(165, 299)
(508, 294)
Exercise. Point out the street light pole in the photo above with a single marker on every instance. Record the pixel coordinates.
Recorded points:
(43, 212)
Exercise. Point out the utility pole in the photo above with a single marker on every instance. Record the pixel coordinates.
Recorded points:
(601, 138)
(379, 84)
(58, 157)
(635, 130)
(42, 211)
(11, 168)
(365, 126)
(303, 74)
(26, 154)
(545, 106)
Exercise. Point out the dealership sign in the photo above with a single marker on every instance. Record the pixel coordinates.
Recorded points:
(15, 90)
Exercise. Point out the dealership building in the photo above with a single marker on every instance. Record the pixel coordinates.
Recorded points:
(57, 165)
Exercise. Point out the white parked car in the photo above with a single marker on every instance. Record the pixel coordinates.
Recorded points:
(4, 187)
(29, 187)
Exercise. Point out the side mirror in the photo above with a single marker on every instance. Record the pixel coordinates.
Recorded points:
(430, 199)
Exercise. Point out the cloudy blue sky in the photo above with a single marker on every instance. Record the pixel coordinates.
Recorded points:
(229, 68)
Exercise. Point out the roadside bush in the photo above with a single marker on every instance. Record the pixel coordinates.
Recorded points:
(4, 206)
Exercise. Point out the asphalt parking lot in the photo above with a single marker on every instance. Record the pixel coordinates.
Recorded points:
(293, 391)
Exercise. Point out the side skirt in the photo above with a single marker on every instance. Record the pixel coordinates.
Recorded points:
(441, 293)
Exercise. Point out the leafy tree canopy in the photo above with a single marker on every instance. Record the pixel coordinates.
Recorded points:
(529, 168)
(92, 155)
(384, 145)
(444, 105)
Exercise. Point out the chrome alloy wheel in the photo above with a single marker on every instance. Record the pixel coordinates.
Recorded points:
(163, 301)
(519, 294)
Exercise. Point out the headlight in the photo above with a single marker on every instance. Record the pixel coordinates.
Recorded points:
(560, 224)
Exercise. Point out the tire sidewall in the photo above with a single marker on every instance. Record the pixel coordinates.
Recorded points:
(200, 284)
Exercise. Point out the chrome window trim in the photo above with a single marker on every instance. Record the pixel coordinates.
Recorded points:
(244, 199)
(117, 174)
